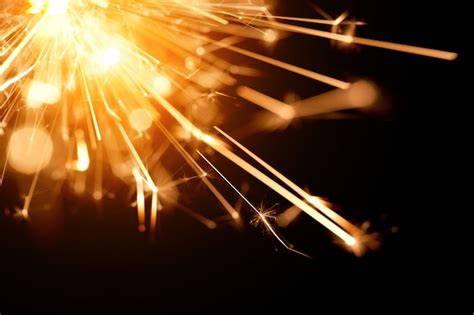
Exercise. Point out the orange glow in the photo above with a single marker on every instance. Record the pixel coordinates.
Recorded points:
(30, 150)
(162, 85)
(141, 120)
(88, 80)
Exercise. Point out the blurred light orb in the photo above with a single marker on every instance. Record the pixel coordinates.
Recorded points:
(40, 93)
(200, 51)
(162, 85)
(29, 150)
(270, 36)
(141, 120)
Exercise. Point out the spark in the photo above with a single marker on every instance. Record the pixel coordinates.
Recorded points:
(262, 216)
(315, 201)
(88, 85)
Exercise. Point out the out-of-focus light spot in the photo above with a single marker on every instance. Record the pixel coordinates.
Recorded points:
(29, 150)
(200, 51)
(162, 85)
(141, 120)
(190, 63)
(40, 93)
(98, 195)
(270, 36)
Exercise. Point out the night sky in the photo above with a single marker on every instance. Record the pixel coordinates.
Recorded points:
(385, 168)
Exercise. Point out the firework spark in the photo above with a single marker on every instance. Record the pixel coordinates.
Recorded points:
(86, 84)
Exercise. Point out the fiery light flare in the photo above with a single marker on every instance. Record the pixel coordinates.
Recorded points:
(89, 80)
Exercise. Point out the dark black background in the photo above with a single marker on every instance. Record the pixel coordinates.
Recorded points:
(398, 170)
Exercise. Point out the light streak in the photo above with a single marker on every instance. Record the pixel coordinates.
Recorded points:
(91, 79)
(259, 213)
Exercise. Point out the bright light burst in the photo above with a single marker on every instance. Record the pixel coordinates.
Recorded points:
(85, 85)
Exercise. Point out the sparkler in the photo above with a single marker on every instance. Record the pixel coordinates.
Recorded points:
(86, 84)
